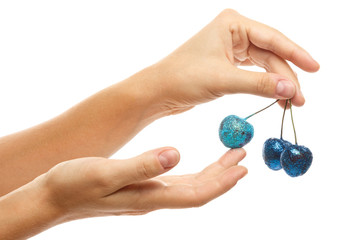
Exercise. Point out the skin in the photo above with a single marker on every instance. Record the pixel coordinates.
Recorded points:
(58, 189)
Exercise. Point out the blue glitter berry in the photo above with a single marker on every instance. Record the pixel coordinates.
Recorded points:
(272, 149)
(235, 132)
(296, 160)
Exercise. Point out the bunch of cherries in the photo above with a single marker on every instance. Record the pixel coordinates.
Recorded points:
(278, 153)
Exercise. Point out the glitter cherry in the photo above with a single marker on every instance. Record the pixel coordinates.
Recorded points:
(273, 148)
(296, 159)
(235, 132)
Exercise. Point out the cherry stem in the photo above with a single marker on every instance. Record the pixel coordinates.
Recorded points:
(281, 128)
(261, 110)
(291, 114)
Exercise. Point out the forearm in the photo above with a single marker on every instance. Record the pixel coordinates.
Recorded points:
(98, 126)
(26, 212)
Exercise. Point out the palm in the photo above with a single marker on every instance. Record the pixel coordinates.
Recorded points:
(190, 190)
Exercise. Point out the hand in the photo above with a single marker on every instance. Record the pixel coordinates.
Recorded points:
(90, 187)
(205, 67)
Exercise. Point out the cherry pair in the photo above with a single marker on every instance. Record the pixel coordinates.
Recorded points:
(235, 132)
(279, 153)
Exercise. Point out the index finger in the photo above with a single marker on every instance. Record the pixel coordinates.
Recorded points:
(271, 39)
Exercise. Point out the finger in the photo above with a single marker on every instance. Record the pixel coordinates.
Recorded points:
(235, 80)
(275, 64)
(200, 193)
(271, 39)
(144, 166)
(184, 191)
(231, 158)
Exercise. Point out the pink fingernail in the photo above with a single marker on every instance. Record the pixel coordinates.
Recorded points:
(168, 158)
(285, 89)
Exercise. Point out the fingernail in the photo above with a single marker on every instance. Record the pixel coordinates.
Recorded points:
(168, 158)
(285, 89)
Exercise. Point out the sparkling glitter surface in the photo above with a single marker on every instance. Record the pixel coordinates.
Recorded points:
(235, 132)
(296, 160)
(272, 149)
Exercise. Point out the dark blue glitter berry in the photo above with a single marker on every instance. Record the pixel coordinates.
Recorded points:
(235, 132)
(296, 160)
(272, 149)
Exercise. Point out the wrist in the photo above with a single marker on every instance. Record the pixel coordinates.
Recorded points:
(147, 91)
(160, 87)
(28, 211)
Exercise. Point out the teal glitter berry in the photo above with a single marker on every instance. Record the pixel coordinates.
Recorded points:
(235, 132)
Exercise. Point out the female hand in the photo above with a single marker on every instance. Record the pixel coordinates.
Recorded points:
(98, 186)
(205, 67)
(89, 187)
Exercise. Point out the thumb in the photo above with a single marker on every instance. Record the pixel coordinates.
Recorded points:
(259, 83)
(147, 165)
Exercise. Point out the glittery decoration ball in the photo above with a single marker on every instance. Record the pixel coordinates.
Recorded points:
(272, 149)
(296, 160)
(235, 132)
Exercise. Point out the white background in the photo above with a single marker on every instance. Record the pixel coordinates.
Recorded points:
(53, 54)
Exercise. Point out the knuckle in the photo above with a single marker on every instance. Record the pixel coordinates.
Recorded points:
(200, 202)
(227, 15)
(197, 200)
(269, 59)
(263, 84)
(273, 41)
(291, 54)
(101, 178)
(103, 182)
(99, 174)
(228, 12)
(143, 170)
